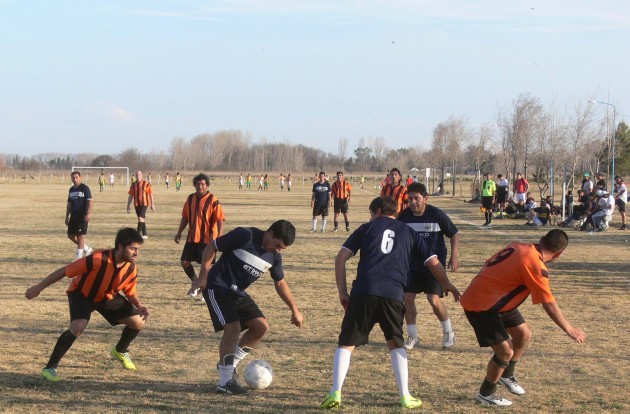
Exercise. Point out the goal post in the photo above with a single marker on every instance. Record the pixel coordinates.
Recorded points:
(103, 169)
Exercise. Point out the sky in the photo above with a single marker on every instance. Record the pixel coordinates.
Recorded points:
(104, 76)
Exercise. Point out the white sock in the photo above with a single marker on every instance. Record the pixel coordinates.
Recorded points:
(340, 368)
(240, 354)
(323, 224)
(226, 372)
(446, 326)
(79, 253)
(412, 330)
(314, 224)
(86, 247)
(398, 357)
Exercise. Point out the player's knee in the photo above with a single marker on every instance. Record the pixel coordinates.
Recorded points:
(502, 360)
(185, 264)
(136, 323)
(77, 327)
(259, 327)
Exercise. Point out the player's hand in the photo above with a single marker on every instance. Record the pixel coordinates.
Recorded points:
(88, 217)
(297, 318)
(128, 208)
(344, 299)
(199, 283)
(452, 289)
(453, 264)
(178, 236)
(153, 209)
(33, 292)
(577, 335)
(144, 312)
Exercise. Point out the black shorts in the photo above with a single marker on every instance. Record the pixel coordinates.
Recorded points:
(490, 327)
(424, 282)
(621, 204)
(502, 194)
(341, 205)
(141, 211)
(225, 308)
(364, 312)
(77, 225)
(486, 202)
(112, 310)
(193, 252)
(320, 210)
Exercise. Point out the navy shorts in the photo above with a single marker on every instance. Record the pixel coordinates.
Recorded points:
(366, 311)
(226, 308)
(77, 225)
(112, 310)
(141, 211)
(320, 210)
(486, 202)
(491, 327)
(424, 282)
(621, 204)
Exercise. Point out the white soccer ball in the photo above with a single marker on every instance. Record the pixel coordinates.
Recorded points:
(258, 374)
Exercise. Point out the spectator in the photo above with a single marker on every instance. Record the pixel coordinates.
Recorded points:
(587, 184)
(620, 199)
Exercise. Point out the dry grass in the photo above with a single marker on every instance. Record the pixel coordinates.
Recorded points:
(177, 352)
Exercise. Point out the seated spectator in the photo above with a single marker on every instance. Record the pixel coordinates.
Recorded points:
(539, 216)
(516, 210)
(601, 213)
(578, 210)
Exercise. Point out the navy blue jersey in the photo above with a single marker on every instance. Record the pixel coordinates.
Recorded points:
(386, 247)
(432, 225)
(243, 261)
(321, 192)
(78, 198)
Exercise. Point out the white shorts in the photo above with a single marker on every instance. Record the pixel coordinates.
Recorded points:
(521, 196)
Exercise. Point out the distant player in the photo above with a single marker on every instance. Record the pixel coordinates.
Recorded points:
(491, 305)
(101, 182)
(432, 224)
(396, 189)
(79, 213)
(203, 215)
(141, 193)
(320, 200)
(341, 192)
(488, 197)
(178, 181)
(97, 283)
(111, 179)
(247, 253)
(241, 181)
(377, 292)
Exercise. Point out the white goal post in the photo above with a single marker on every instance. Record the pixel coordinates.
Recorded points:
(102, 169)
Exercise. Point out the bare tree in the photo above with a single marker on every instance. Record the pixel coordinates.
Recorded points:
(342, 148)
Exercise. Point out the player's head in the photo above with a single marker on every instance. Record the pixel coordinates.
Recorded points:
(618, 179)
(75, 177)
(554, 242)
(127, 243)
(383, 206)
(139, 175)
(322, 176)
(203, 181)
(279, 235)
(395, 174)
(417, 197)
(339, 175)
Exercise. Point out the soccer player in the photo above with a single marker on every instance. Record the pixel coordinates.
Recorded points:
(111, 179)
(203, 215)
(396, 189)
(503, 193)
(432, 224)
(341, 191)
(178, 181)
(386, 246)
(488, 197)
(247, 254)
(79, 213)
(491, 305)
(97, 283)
(141, 193)
(320, 200)
(101, 182)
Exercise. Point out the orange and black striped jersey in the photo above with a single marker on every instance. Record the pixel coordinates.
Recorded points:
(341, 189)
(398, 193)
(140, 191)
(202, 213)
(98, 277)
(507, 278)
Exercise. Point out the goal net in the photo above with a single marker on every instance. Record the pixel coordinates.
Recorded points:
(121, 174)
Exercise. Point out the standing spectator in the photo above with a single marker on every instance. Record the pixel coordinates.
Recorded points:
(503, 192)
(249, 181)
(141, 193)
(521, 187)
(149, 179)
(395, 189)
(362, 181)
(289, 182)
(101, 182)
(488, 197)
(241, 181)
(178, 181)
(600, 184)
(587, 184)
(167, 180)
(320, 200)
(621, 196)
(112, 178)
(568, 203)
(203, 215)
(491, 305)
(97, 284)
(341, 190)
(79, 213)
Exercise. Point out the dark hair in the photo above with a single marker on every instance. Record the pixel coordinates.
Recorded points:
(618, 176)
(499, 175)
(417, 188)
(555, 241)
(321, 172)
(283, 230)
(386, 204)
(339, 172)
(126, 236)
(77, 173)
(395, 169)
(199, 177)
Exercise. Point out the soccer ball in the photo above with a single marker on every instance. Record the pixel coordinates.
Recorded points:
(258, 374)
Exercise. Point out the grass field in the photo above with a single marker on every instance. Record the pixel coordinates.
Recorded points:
(177, 352)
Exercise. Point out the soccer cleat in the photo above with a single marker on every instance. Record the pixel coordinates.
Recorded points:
(512, 385)
(313, 230)
(323, 231)
(623, 227)
(335, 230)
(124, 358)
(88, 251)
(448, 340)
(411, 342)
(145, 237)
(485, 224)
(332, 400)
(231, 387)
(493, 399)
(407, 401)
(347, 228)
(51, 374)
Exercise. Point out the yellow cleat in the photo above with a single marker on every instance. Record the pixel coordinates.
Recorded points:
(124, 358)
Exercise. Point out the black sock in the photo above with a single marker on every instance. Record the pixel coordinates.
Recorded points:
(64, 343)
(139, 229)
(144, 228)
(190, 272)
(487, 388)
(347, 224)
(336, 223)
(126, 337)
(508, 372)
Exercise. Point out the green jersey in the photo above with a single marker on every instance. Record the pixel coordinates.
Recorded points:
(489, 188)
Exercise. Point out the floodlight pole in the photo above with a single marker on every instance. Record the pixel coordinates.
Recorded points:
(614, 136)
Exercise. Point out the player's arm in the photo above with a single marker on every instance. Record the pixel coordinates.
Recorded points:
(283, 290)
(151, 201)
(129, 200)
(453, 261)
(219, 228)
(554, 312)
(134, 299)
(68, 206)
(182, 225)
(88, 213)
(340, 275)
(438, 272)
(206, 261)
(52, 278)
